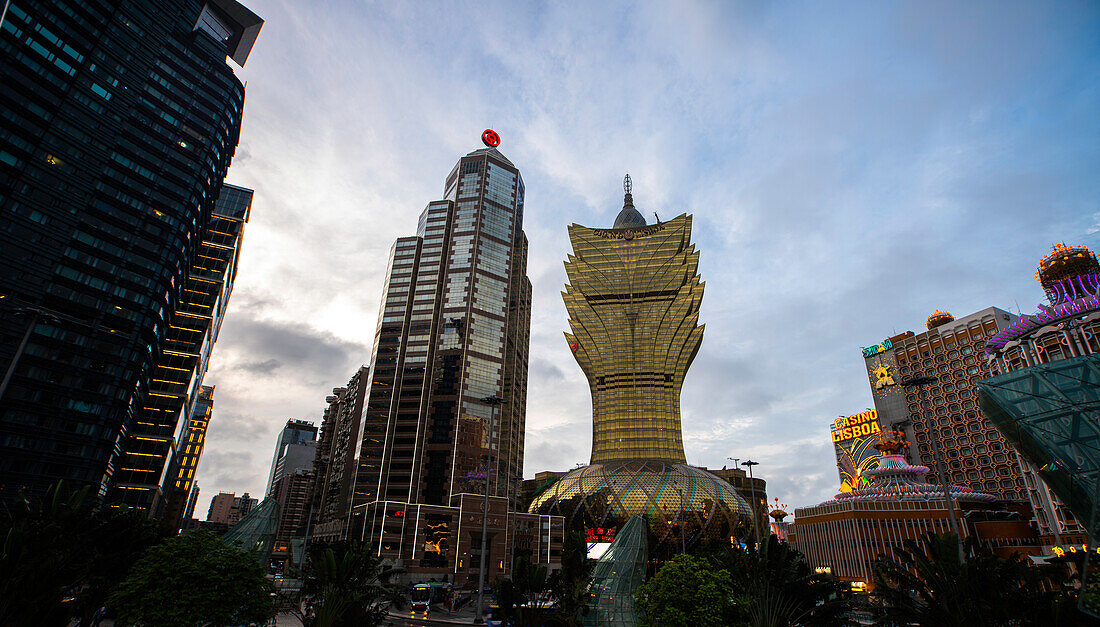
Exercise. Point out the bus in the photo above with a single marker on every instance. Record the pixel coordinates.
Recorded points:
(425, 594)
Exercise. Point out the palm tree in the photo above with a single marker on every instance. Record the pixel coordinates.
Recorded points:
(929, 585)
(569, 584)
(348, 585)
(518, 596)
(774, 586)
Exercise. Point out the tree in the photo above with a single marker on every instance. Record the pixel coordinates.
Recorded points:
(346, 584)
(62, 555)
(687, 590)
(518, 596)
(774, 586)
(569, 584)
(928, 585)
(194, 579)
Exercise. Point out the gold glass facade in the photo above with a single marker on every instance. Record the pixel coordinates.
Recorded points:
(633, 301)
(679, 502)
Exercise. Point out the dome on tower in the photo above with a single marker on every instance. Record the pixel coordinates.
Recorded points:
(628, 218)
(1059, 269)
(938, 318)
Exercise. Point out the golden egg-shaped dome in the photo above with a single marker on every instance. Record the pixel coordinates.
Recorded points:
(938, 318)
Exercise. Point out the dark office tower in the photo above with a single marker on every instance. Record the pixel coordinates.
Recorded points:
(120, 121)
(337, 457)
(293, 450)
(453, 329)
(149, 472)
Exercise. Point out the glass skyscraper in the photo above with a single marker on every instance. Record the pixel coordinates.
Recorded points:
(454, 328)
(120, 121)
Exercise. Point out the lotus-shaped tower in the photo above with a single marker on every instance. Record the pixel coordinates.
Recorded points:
(633, 300)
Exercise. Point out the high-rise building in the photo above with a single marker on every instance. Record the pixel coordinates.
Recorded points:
(242, 505)
(453, 329)
(292, 491)
(189, 508)
(1044, 392)
(975, 452)
(452, 332)
(120, 121)
(337, 456)
(633, 300)
(154, 470)
(221, 506)
(294, 450)
(188, 450)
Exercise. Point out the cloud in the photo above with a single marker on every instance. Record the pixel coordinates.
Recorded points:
(850, 169)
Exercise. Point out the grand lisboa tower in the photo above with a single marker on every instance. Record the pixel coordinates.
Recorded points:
(633, 300)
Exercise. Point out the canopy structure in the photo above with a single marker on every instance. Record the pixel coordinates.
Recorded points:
(617, 576)
(256, 531)
(1051, 414)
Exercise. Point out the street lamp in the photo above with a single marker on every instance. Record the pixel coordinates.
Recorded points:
(493, 402)
(752, 488)
(919, 381)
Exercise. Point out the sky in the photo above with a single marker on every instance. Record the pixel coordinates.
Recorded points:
(851, 167)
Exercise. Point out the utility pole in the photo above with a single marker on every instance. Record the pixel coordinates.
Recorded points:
(919, 381)
(35, 313)
(493, 402)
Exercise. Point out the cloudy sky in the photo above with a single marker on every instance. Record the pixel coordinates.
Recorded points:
(851, 167)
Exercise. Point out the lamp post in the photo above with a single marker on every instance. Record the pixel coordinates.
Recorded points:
(493, 402)
(919, 381)
(752, 488)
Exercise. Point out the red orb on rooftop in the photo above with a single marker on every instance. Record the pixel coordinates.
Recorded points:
(490, 138)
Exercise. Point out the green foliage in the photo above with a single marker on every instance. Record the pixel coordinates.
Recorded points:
(928, 585)
(348, 585)
(194, 579)
(569, 584)
(774, 586)
(61, 556)
(686, 591)
(524, 588)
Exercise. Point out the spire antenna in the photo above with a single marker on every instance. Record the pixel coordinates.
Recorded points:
(627, 185)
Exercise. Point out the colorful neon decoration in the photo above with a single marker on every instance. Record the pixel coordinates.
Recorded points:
(878, 348)
(1083, 302)
(882, 374)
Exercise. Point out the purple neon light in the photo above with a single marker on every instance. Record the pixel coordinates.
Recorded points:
(1059, 311)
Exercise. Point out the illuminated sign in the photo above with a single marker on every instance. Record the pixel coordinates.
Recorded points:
(854, 439)
(599, 534)
(878, 348)
(399, 513)
(1061, 551)
(490, 138)
(855, 426)
(883, 377)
